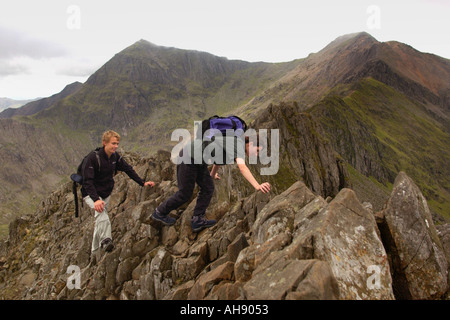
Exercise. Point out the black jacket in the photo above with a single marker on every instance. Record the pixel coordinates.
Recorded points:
(97, 183)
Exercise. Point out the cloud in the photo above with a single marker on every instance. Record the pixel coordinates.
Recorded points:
(7, 68)
(16, 44)
(21, 54)
(75, 67)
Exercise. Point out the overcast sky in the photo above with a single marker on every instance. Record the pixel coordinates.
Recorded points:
(47, 44)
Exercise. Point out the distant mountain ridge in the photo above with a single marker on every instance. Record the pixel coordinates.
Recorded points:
(357, 56)
(145, 83)
(384, 107)
(33, 107)
(6, 103)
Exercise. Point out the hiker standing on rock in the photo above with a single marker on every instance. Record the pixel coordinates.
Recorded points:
(191, 172)
(98, 182)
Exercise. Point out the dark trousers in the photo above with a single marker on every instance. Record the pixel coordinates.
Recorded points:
(187, 176)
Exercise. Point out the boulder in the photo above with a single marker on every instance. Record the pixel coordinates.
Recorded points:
(345, 236)
(206, 281)
(278, 215)
(292, 280)
(419, 265)
(297, 225)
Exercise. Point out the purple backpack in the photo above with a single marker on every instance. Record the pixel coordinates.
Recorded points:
(219, 125)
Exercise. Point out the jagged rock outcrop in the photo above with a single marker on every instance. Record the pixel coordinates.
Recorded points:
(305, 153)
(292, 245)
(418, 258)
(341, 233)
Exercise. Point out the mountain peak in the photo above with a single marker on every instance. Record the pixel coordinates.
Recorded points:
(141, 45)
(356, 36)
(145, 43)
(359, 38)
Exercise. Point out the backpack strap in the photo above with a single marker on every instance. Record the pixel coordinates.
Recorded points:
(244, 124)
(234, 123)
(78, 179)
(119, 157)
(98, 160)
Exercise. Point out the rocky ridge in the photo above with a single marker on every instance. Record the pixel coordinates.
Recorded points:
(291, 245)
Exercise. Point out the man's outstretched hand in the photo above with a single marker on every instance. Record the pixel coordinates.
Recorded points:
(149, 183)
(264, 187)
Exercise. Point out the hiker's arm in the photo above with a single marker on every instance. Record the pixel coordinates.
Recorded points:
(245, 171)
(214, 170)
(122, 165)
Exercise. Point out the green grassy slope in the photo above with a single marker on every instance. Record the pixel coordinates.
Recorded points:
(380, 132)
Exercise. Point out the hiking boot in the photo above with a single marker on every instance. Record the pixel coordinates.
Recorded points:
(107, 245)
(164, 219)
(198, 223)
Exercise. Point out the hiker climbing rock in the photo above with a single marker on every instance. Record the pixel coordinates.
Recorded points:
(97, 172)
(226, 148)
